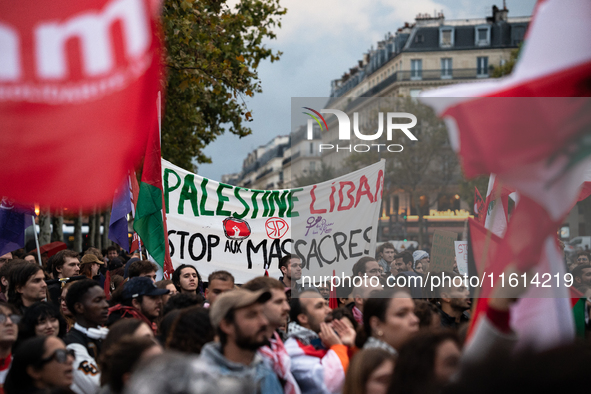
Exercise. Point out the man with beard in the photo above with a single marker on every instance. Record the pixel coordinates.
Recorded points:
(454, 301)
(386, 253)
(239, 319)
(290, 266)
(318, 348)
(276, 311)
(87, 302)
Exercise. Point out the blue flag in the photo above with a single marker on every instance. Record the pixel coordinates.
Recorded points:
(14, 220)
(121, 207)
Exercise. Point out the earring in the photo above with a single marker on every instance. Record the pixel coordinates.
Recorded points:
(380, 333)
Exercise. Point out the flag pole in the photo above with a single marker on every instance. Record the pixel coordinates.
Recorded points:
(36, 241)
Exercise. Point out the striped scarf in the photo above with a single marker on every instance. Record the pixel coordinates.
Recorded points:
(281, 363)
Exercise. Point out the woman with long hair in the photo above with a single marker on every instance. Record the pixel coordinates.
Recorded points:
(369, 372)
(426, 363)
(39, 365)
(388, 320)
(187, 280)
(41, 319)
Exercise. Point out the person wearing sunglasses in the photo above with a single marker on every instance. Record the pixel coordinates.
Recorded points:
(9, 320)
(40, 364)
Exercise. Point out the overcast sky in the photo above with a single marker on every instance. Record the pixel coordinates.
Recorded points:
(320, 40)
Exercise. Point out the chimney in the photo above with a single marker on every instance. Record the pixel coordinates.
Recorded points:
(500, 15)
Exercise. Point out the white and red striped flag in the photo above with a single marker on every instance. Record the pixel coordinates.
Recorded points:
(532, 130)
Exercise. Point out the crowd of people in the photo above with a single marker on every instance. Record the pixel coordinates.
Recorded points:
(100, 323)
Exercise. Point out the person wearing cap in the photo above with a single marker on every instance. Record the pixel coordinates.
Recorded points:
(319, 349)
(89, 267)
(239, 319)
(141, 299)
(277, 312)
(423, 257)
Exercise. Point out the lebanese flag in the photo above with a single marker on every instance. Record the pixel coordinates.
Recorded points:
(497, 206)
(531, 130)
(77, 84)
(150, 219)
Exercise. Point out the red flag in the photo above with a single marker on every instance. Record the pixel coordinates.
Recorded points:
(135, 243)
(77, 85)
(333, 302)
(484, 247)
(107, 285)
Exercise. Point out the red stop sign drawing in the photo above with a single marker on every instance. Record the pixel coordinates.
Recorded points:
(276, 227)
(236, 229)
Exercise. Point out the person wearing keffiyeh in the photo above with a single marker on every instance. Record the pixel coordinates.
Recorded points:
(319, 356)
(276, 311)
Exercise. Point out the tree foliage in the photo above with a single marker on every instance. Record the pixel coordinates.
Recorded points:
(212, 56)
(324, 174)
(505, 69)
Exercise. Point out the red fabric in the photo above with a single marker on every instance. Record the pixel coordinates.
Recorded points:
(358, 315)
(152, 175)
(280, 361)
(585, 191)
(5, 362)
(500, 319)
(310, 350)
(131, 312)
(107, 285)
(333, 302)
(79, 107)
(479, 209)
(168, 269)
(494, 131)
(484, 246)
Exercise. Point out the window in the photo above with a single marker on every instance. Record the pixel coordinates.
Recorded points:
(423, 203)
(447, 201)
(446, 68)
(416, 69)
(517, 34)
(446, 36)
(482, 35)
(419, 38)
(311, 147)
(482, 66)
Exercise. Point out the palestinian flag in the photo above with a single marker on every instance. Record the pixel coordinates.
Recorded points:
(149, 222)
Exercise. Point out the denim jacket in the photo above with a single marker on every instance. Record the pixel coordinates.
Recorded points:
(257, 371)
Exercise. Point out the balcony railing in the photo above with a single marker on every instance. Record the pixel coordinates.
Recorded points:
(421, 75)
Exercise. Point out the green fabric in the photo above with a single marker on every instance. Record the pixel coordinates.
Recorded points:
(148, 222)
(579, 314)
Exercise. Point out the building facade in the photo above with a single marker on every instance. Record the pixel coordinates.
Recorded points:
(430, 53)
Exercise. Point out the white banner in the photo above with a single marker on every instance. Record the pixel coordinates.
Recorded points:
(461, 248)
(215, 226)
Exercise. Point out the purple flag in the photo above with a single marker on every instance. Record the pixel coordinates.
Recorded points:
(121, 207)
(14, 220)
